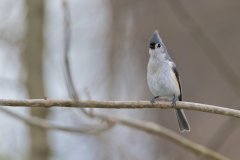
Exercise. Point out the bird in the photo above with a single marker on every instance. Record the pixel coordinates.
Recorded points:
(163, 78)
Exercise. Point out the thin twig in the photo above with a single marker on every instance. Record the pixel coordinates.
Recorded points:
(67, 41)
(119, 104)
(68, 76)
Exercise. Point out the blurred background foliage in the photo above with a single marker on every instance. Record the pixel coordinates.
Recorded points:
(109, 55)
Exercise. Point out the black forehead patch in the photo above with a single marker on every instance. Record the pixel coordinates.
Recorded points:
(155, 38)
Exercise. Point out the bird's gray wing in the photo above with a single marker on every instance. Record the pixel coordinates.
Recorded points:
(178, 79)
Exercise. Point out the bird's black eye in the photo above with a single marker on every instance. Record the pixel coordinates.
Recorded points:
(158, 45)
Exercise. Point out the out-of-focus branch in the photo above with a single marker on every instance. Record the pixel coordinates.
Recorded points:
(33, 53)
(68, 76)
(45, 124)
(67, 41)
(162, 132)
(148, 127)
(120, 104)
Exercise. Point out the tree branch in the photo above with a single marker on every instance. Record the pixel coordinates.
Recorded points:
(45, 124)
(119, 104)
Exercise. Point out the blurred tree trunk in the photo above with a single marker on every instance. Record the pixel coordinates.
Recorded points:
(33, 57)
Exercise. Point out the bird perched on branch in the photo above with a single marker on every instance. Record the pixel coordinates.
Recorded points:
(163, 78)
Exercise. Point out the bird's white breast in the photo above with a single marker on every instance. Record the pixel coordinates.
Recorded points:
(161, 78)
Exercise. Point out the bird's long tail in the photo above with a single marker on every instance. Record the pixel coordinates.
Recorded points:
(182, 121)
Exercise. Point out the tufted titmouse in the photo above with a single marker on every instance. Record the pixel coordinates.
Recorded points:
(163, 79)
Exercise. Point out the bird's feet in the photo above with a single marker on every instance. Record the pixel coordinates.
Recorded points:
(154, 99)
(174, 100)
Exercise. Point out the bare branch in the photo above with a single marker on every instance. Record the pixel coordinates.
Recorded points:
(68, 76)
(67, 41)
(41, 123)
(119, 104)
